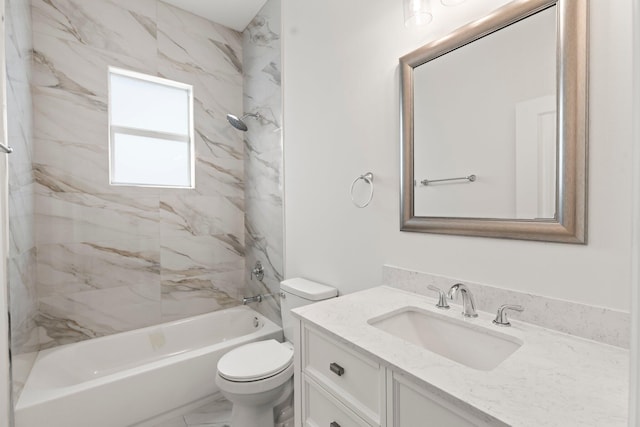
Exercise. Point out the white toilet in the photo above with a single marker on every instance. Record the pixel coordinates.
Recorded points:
(258, 376)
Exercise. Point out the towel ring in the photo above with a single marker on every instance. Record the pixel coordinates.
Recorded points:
(368, 178)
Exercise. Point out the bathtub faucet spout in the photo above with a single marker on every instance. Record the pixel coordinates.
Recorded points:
(255, 298)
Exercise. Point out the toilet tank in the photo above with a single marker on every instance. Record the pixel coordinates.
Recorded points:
(296, 293)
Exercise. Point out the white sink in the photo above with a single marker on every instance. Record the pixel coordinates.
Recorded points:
(462, 341)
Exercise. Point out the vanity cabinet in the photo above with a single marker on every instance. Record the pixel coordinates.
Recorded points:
(341, 387)
(350, 380)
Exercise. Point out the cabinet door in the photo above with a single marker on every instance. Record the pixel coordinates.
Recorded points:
(411, 406)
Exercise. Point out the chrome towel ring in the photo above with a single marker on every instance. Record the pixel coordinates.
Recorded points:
(368, 178)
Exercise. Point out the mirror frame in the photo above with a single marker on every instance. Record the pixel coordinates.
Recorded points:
(570, 223)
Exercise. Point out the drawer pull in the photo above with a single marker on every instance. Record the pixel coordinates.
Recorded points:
(334, 424)
(338, 370)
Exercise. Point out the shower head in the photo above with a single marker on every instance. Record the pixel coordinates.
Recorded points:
(238, 123)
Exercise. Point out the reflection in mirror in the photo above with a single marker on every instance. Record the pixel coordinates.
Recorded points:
(494, 120)
(488, 109)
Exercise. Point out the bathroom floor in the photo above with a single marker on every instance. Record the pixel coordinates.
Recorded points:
(214, 414)
(218, 414)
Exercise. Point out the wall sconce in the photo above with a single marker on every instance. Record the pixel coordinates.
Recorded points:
(417, 12)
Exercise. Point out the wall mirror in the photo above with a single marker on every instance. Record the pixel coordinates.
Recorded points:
(494, 126)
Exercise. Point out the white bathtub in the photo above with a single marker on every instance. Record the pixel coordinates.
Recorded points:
(132, 377)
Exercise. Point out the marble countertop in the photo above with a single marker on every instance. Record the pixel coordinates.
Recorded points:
(554, 379)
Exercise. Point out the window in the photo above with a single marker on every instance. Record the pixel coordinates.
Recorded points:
(150, 131)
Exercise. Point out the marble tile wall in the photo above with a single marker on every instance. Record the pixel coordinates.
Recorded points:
(22, 247)
(111, 259)
(263, 160)
(594, 323)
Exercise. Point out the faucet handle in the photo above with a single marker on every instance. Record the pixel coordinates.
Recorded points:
(442, 298)
(501, 315)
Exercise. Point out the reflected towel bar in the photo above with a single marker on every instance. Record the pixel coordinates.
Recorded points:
(6, 149)
(470, 178)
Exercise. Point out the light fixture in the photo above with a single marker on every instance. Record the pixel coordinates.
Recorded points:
(417, 12)
(452, 2)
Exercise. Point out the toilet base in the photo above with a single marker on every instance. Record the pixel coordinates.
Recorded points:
(258, 411)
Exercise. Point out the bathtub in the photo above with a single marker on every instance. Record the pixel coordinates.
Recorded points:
(136, 377)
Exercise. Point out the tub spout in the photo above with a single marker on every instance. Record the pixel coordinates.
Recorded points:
(255, 298)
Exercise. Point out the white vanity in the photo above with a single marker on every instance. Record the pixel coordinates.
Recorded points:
(355, 367)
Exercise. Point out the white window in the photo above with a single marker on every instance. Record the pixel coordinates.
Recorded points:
(150, 131)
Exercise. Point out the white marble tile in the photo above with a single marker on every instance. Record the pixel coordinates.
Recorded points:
(263, 156)
(86, 228)
(214, 414)
(189, 296)
(23, 303)
(72, 66)
(21, 365)
(21, 263)
(78, 267)
(200, 274)
(72, 167)
(595, 323)
(70, 117)
(219, 177)
(119, 26)
(214, 97)
(200, 253)
(193, 215)
(63, 217)
(21, 213)
(198, 43)
(218, 411)
(207, 56)
(18, 28)
(83, 315)
(19, 135)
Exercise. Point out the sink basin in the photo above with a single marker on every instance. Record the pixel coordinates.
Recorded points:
(461, 341)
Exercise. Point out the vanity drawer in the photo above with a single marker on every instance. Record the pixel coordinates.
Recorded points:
(320, 409)
(352, 378)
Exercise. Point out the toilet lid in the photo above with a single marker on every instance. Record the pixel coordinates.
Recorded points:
(255, 361)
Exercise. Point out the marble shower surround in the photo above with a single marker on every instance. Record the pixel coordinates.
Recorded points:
(595, 323)
(23, 303)
(263, 156)
(111, 259)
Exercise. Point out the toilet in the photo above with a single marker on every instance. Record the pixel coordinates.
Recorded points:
(257, 377)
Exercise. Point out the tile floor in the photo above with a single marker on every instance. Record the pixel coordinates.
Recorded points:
(214, 414)
(218, 414)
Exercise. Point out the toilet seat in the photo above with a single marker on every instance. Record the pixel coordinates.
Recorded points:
(255, 361)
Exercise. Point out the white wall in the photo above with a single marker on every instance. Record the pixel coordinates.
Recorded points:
(341, 103)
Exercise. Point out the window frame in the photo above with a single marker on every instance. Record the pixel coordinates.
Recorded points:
(113, 129)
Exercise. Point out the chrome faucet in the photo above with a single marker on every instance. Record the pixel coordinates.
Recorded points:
(468, 303)
(255, 298)
(501, 315)
(442, 298)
